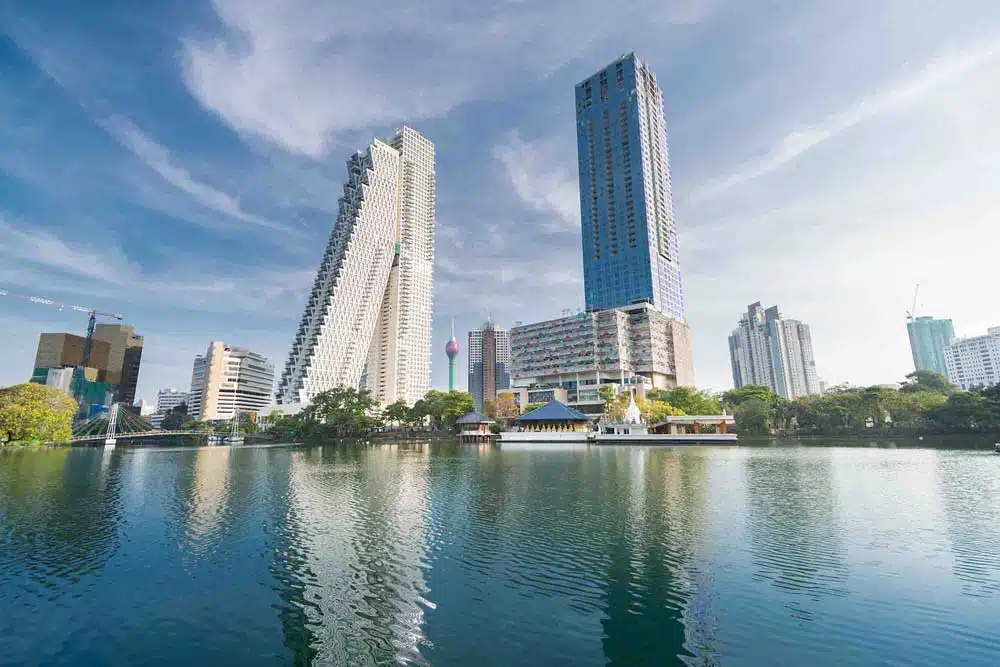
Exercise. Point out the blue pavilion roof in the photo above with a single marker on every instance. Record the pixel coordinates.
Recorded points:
(474, 418)
(554, 411)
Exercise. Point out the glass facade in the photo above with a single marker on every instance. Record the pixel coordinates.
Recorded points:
(626, 204)
(928, 339)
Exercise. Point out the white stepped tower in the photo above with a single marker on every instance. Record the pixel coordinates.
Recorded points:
(369, 313)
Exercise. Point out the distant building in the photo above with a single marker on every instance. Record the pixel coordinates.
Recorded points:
(124, 358)
(974, 362)
(928, 339)
(627, 212)
(769, 351)
(525, 396)
(229, 379)
(367, 321)
(58, 378)
(64, 350)
(167, 400)
(489, 362)
(638, 348)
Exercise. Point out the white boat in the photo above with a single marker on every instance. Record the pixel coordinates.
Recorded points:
(215, 439)
(233, 440)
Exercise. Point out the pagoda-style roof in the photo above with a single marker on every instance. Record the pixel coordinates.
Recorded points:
(474, 418)
(554, 411)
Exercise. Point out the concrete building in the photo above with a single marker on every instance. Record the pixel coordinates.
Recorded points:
(368, 316)
(630, 252)
(974, 362)
(489, 362)
(928, 339)
(124, 358)
(525, 396)
(167, 400)
(769, 351)
(227, 380)
(634, 348)
(64, 350)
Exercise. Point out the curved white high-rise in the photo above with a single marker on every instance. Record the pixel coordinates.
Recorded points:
(368, 318)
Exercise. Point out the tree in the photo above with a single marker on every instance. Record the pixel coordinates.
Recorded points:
(456, 405)
(341, 411)
(927, 381)
(506, 406)
(35, 413)
(398, 412)
(689, 401)
(655, 411)
(532, 406)
(176, 418)
(490, 408)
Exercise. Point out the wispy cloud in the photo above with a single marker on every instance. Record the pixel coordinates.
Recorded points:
(298, 72)
(946, 67)
(541, 177)
(158, 158)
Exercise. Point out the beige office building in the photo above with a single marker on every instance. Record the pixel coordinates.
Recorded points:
(226, 380)
(63, 350)
(124, 357)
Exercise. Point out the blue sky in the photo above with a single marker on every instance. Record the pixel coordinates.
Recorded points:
(180, 163)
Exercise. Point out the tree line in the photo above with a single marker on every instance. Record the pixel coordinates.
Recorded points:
(925, 403)
(344, 412)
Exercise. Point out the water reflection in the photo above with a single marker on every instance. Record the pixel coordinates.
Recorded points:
(60, 511)
(361, 520)
(971, 497)
(794, 537)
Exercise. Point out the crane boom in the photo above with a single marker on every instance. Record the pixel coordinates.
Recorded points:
(60, 305)
(912, 312)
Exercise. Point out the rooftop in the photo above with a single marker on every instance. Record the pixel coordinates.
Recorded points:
(555, 411)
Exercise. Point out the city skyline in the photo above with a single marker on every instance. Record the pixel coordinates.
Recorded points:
(198, 216)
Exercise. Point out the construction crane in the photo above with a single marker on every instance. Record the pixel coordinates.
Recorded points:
(94, 314)
(912, 312)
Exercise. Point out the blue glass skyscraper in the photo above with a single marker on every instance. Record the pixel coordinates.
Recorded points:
(626, 205)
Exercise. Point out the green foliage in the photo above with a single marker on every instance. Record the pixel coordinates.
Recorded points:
(689, 401)
(926, 402)
(340, 412)
(531, 406)
(175, 419)
(927, 381)
(35, 413)
(397, 413)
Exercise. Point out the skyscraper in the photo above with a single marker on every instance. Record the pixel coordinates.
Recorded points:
(974, 362)
(928, 339)
(369, 313)
(451, 349)
(227, 380)
(626, 204)
(489, 362)
(769, 351)
(124, 358)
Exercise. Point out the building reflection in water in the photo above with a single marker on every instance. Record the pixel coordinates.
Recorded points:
(793, 524)
(358, 518)
(60, 510)
(207, 498)
(970, 494)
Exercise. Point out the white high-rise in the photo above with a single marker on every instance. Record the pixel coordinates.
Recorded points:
(368, 317)
(974, 362)
(769, 351)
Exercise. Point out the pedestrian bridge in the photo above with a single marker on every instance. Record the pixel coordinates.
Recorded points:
(120, 424)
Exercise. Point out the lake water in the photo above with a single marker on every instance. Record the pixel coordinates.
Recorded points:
(442, 555)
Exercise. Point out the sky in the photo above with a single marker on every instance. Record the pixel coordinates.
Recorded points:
(180, 163)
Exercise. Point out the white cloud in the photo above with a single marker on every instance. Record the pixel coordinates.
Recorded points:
(298, 72)
(158, 158)
(541, 177)
(942, 69)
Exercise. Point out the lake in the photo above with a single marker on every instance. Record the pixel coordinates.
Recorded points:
(434, 554)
